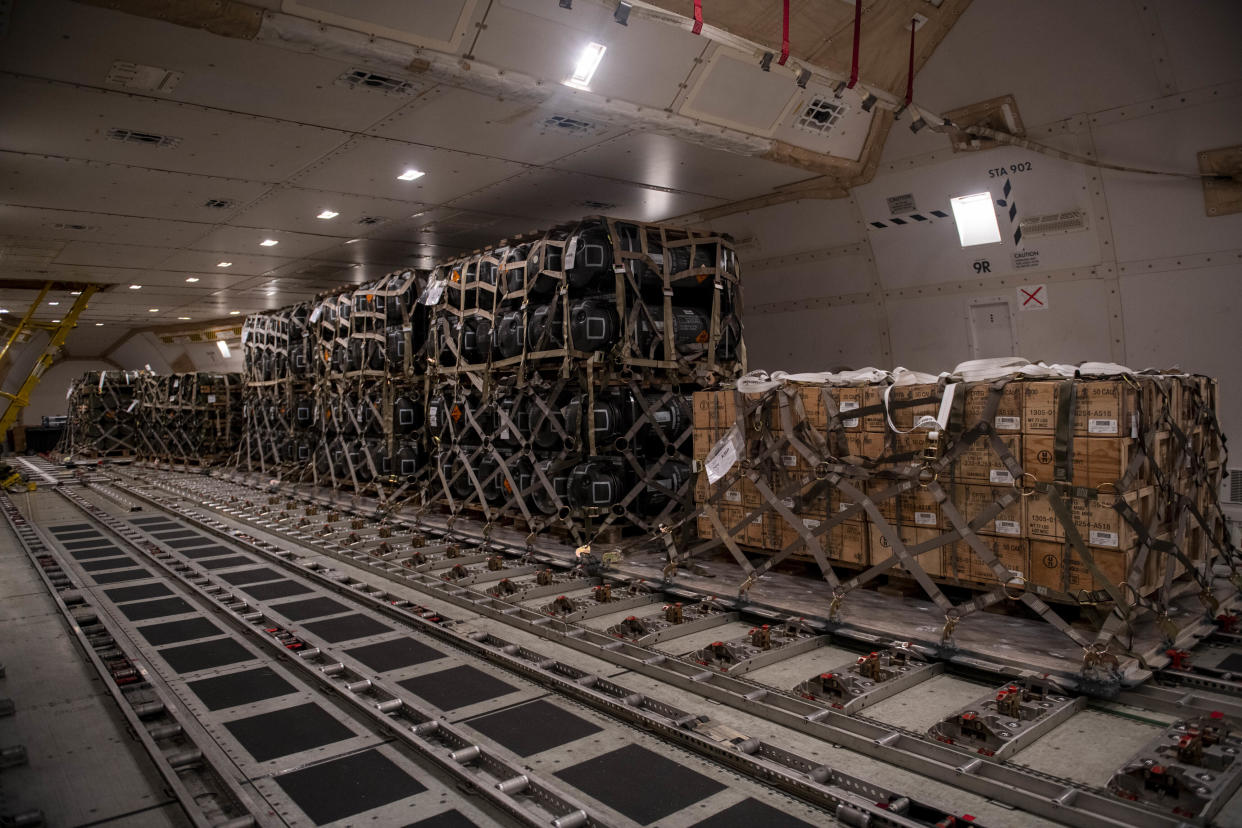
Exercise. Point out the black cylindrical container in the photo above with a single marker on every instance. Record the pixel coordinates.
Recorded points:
(407, 415)
(303, 413)
(540, 495)
(673, 475)
(394, 349)
(588, 256)
(409, 461)
(606, 418)
(598, 483)
(509, 334)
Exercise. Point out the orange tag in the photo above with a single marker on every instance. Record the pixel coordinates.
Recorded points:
(702, 337)
(455, 413)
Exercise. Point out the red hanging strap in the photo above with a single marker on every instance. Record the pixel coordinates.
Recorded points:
(910, 76)
(857, 37)
(784, 35)
(698, 17)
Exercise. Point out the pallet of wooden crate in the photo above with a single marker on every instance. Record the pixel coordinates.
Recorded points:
(1046, 483)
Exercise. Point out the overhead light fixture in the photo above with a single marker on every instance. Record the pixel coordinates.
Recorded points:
(353, 241)
(224, 348)
(869, 102)
(75, 293)
(234, 313)
(98, 324)
(224, 264)
(328, 214)
(410, 175)
(55, 320)
(53, 303)
(135, 287)
(271, 293)
(976, 219)
(588, 62)
(153, 310)
(191, 279)
(268, 243)
(4, 310)
(183, 318)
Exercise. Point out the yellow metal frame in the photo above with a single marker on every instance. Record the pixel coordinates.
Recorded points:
(60, 332)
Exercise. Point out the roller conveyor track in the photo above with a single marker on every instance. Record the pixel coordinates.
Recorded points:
(1019, 787)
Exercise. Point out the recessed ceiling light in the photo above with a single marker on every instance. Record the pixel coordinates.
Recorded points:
(75, 293)
(55, 320)
(268, 243)
(184, 318)
(191, 278)
(410, 175)
(98, 324)
(135, 287)
(53, 303)
(153, 310)
(271, 293)
(4, 310)
(588, 62)
(224, 264)
(353, 241)
(976, 219)
(328, 214)
(224, 348)
(234, 313)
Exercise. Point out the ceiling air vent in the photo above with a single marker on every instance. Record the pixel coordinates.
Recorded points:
(1054, 224)
(362, 79)
(130, 136)
(371, 220)
(218, 203)
(576, 126)
(597, 205)
(819, 116)
(1234, 482)
(75, 227)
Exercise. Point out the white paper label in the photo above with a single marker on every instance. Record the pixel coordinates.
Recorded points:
(211, 398)
(1008, 423)
(723, 455)
(925, 518)
(1000, 476)
(850, 405)
(1101, 426)
(101, 379)
(662, 416)
(431, 418)
(787, 502)
(1134, 426)
(245, 335)
(1009, 527)
(1098, 538)
(844, 506)
(809, 523)
(433, 291)
(733, 496)
(790, 460)
(316, 313)
(176, 383)
(571, 253)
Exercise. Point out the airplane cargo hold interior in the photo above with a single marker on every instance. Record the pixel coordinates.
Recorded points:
(571, 413)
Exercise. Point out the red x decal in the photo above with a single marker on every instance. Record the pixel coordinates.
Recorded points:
(1030, 296)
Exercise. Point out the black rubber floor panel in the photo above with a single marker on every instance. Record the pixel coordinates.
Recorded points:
(639, 783)
(457, 687)
(77, 536)
(155, 609)
(751, 813)
(346, 628)
(96, 564)
(292, 730)
(1231, 662)
(393, 655)
(534, 727)
(186, 543)
(246, 687)
(250, 576)
(225, 563)
(171, 632)
(343, 787)
(120, 577)
(121, 595)
(187, 658)
(70, 527)
(276, 589)
(448, 819)
(309, 608)
(86, 544)
(206, 552)
(101, 552)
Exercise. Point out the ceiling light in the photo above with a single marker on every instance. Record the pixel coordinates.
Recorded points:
(234, 313)
(353, 241)
(224, 348)
(75, 293)
(184, 318)
(268, 243)
(328, 214)
(98, 324)
(271, 293)
(224, 264)
(4, 310)
(410, 175)
(53, 303)
(153, 310)
(588, 62)
(55, 320)
(976, 219)
(191, 279)
(135, 287)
